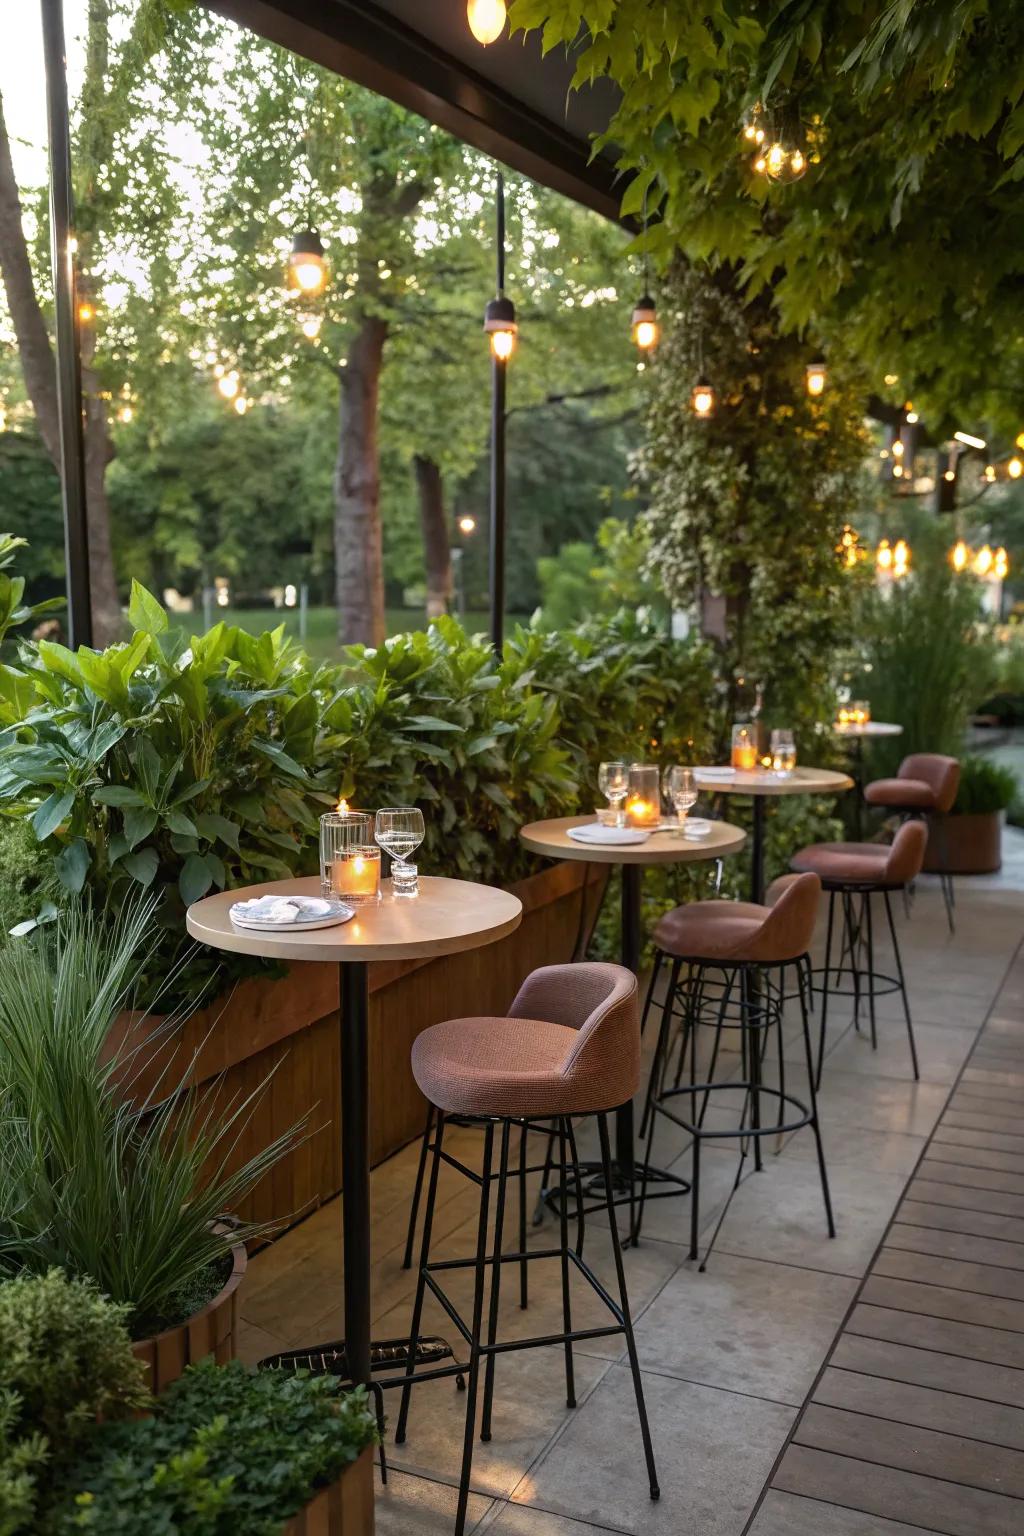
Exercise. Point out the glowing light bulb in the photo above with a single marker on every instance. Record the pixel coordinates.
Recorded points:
(883, 556)
(1020, 440)
(983, 560)
(486, 19)
(959, 555)
(227, 384)
(816, 374)
(311, 326)
(126, 414)
(897, 471)
(949, 474)
(86, 313)
(307, 269)
(797, 163)
(912, 416)
(891, 379)
(646, 335)
(467, 524)
(776, 159)
(901, 555)
(1015, 469)
(990, 473)
(218, 370)
(503, 344)
(702, 399)
(241, 405)
(897, 449)
(761, 165)
(1001, 565)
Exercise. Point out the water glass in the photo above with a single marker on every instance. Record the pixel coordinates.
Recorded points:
(783, 753)
(613, 781)
(349, 862)
(399, 830)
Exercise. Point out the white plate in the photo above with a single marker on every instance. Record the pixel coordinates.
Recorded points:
(320, 914)
(608, 837)
(711, 774)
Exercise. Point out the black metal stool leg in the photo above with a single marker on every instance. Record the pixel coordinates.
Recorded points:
(524, 1299)
(727, 985)
(492, 1316)
(662, 1046)
(570, 1380)
(421, 1283)
(658, 958)
(751, 1015)
(871, 970)
(627, 1322)
(815, 1126)
(414, 1214)
(538, 1210)
(825, 988)
(903, 984)
(581, 1221)
(473, 1373)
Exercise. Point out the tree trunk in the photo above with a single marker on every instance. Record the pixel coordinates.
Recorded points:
(436, 549)
(358, 544)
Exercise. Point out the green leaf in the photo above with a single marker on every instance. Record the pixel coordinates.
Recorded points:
(117, 794)
(281, 759)
(177, 821)
(139, 822)
(144, 612)
(72, 865)
(51, 813)
(214, 828)
(191, 790)
(195, 879)
(142, 866)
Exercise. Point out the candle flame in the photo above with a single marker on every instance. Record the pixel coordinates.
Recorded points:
(342, 806)
(358, 864)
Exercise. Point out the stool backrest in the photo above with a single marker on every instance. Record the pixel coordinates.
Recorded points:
(600, 1002)
(941, 774)
(789, 927)
(906, 854)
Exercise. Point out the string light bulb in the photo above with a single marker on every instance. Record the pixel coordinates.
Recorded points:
(501, 327)
(1001, 564)
(307, 269)
(227, 384)
(984, 560)
(645, 324)
(310, 325)
(990, 474)
(912, 417)
(86, 313)
(900, 558)
(486, 19)
(467, 524)
(883, 556)
(816, 376)
(241, 405)
(702, 398)
(959, 556)
(126, 414)
(1015, 469)
(781, 162)
(753, 128)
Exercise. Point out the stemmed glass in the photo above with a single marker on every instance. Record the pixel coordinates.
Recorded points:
(400, 830)
(681, 788)
(613, 781)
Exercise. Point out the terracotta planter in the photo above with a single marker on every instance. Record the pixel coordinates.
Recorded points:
(210, 1332)
(966, 845)
(343, 1509)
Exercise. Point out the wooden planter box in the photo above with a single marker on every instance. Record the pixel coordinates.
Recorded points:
(289, 1028)
(210, 1332)
(343, 1509)
(966, 845)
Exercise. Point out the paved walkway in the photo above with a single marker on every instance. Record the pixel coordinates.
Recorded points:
(731, 1357)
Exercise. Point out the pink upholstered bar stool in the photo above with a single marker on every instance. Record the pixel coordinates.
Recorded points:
(569, 1046)
(855, 873)
(925, 786)
(736, 955)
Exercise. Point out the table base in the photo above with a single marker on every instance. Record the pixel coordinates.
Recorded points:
(331, 1359)
(661, 1185)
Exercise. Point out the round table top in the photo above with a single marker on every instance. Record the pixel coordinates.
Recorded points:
(447, 916)
(762, 781)
(867, 728)
(551, 839)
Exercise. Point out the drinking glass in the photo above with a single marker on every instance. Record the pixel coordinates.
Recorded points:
(349, 863)
(681, 788)
(783, 753)
(400, 830)
(613, 781)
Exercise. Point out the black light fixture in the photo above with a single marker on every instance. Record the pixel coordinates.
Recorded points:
(702, 398)
(501, 328)
(644, 324)
(307, 269)
(500, 325)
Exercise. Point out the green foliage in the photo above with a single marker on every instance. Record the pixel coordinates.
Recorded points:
(582, 581)
(65, 1360)
(929, 661)
(225, 1452)
(102, 1178)
(13, 611)
(749, 505)
(984, 787)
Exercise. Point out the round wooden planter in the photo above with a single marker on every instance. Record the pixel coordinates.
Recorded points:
(210, 1332)
(343, 1509)
(966, 845)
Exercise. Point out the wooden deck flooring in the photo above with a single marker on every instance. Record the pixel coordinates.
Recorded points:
(916, 1419)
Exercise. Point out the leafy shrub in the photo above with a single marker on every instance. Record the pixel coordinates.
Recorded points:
(984, 786)
(225, 1452)
(124, 1192)
(65, 1359)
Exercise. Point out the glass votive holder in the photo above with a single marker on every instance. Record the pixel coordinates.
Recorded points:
(349, 858)
(643, 802)
(744, 747)
(783, 756)
(861, 711)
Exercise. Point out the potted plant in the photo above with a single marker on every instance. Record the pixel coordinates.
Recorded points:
(228, 1451)
(65, 1361)
(130, 1192)
(969, 840)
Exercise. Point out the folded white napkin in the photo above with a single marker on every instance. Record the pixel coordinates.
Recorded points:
(269, 909)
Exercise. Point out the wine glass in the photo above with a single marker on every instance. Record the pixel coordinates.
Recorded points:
(400, 830)
(613, 781)
(681, 788)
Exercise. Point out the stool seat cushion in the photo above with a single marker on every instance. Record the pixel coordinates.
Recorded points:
(848, 863)
(743, 930)
(512, 1067)
(901, 794)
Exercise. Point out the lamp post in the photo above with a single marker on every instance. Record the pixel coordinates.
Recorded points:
(66, 323)
(500, 326)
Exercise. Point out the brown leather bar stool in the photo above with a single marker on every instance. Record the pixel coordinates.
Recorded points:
(569, 1046)
(925, 786)
(855, 872)
(733, 951)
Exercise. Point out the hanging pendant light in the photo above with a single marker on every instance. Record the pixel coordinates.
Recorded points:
(816, 377)
(702, 398)
(645, 328)
(500, 325)
(486, 19)
(307, 269)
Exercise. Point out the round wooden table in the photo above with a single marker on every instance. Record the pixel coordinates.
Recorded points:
(551, 839)
(761, 784)
(448, 916)
(857, 734)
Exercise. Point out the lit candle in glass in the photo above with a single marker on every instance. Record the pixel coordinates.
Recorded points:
(744, 747)
(643, 803)
(349, 858)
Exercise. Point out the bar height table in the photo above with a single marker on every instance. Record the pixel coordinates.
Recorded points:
(551, 839)
(447, 917)
(857, 733)
(761, 784)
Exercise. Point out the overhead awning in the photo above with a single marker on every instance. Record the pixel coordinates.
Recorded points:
(508, 99)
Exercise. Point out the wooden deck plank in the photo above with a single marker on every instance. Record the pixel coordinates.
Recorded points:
(948, 1412)
(951, 1274)
(995, 1201)
(949, 1171)
(945, 1218)
(994, 1383)
(1000, 1252)
(966, 1340)
(942, 1301)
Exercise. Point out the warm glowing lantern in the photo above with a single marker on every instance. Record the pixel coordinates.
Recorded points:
(500, 325)
(486, 19)
(816, 377)
(307, 269)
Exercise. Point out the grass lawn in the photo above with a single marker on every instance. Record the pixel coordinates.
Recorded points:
(321, 626)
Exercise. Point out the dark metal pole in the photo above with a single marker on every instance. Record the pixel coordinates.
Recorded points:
(69, 373)
(355, 1165)
(498, 382)
(629, 954)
